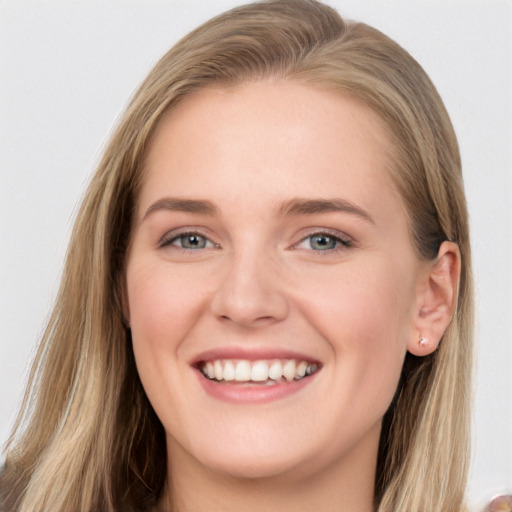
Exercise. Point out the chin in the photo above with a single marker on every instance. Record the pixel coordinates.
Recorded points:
(254, 468)
(255, 454)
(263, 455)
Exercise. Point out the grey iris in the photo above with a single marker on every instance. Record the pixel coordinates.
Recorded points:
(322, 242)
(192, 241)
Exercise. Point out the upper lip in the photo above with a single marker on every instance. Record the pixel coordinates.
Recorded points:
(251, 354)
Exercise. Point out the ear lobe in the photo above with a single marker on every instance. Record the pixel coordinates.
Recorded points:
(437, 300)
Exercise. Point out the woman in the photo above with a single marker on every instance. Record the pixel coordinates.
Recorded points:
(267, 295)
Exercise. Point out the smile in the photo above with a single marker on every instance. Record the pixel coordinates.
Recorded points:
(260, 372)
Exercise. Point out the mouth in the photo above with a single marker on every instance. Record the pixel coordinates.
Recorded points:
(257, 373)
(254, 381)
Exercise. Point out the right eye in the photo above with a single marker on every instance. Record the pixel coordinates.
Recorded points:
(187, 241)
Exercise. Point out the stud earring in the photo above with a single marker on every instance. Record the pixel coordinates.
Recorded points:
(423, 341)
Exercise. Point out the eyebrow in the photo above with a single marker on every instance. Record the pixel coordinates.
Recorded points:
(176, 204)
(291, 208)
(298, 206)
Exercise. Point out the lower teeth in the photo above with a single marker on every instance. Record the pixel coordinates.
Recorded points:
(246, 383)
(268, 382)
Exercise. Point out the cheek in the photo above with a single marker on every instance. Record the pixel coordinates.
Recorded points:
(365, 315)
(367, 307)
(162, 306)
(163, 309)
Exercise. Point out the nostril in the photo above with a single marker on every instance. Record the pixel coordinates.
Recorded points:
(258, 320)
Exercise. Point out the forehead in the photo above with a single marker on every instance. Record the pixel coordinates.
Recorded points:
(281, 136)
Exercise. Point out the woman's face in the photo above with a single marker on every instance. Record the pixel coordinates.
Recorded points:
(271, 240)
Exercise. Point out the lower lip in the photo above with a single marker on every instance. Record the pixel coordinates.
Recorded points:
(247, 394)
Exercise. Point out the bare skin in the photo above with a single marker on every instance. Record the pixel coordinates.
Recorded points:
(270, 230)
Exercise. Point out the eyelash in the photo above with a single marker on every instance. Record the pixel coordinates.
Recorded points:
(340, 243)
(169, 240)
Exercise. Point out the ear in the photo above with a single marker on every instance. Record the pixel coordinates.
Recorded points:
(436, 299)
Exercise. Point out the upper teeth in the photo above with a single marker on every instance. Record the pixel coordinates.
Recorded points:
(257, 371)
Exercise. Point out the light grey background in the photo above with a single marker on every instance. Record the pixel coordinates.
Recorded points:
(68, 68)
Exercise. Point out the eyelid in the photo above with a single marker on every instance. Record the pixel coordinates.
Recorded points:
(167, 239)
(344, 240)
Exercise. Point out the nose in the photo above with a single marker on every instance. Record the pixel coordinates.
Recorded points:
(250, 293)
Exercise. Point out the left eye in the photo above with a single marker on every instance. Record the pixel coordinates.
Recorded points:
(322, 242)
(189, 241)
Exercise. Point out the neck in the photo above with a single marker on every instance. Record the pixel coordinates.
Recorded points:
(344, 486)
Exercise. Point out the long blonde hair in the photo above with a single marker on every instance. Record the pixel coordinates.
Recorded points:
(87, 438)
